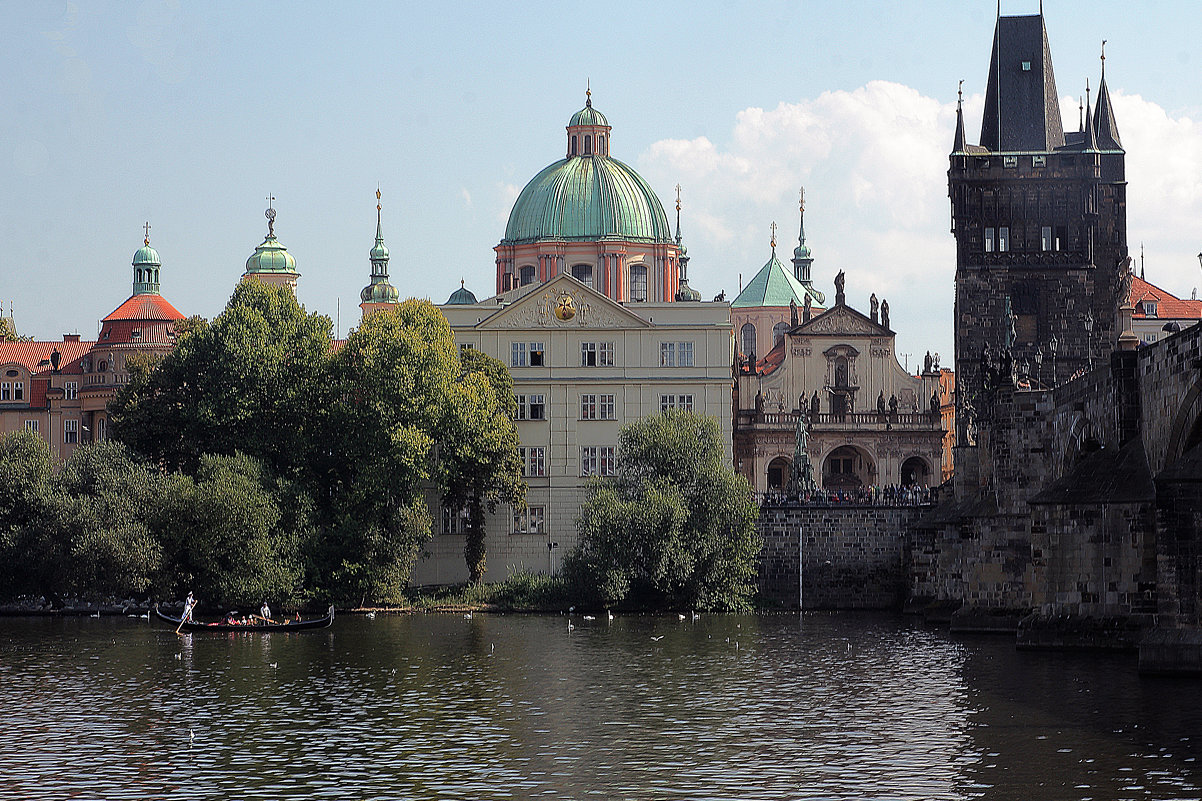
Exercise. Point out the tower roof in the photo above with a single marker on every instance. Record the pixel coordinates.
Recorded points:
(1022, 109)
(461, 296)
(773, 285)
(1106, 130)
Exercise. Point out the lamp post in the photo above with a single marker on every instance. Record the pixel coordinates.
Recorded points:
(1089, 321)
(1039, 366)
(1053, 344)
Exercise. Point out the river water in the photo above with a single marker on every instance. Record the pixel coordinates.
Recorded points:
(814, 706)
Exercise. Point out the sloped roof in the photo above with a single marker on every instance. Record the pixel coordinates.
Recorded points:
(773, 285)
(35, 356)
(1021, 89)
(1168, 306)
(144, 307)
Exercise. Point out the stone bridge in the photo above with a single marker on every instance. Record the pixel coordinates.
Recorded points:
(1079, 510)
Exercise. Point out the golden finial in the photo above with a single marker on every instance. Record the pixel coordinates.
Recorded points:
(146, 241)
(678, 197)
(270, 215)
(588, 92)
(377, 197)
(960, 92)
(801, 200)
(774, 236)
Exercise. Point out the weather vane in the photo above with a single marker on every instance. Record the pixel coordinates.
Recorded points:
(147, 227)
(678, 197)
(960, 92)
(588, 92)
(801, 200)
(774, 236)
(270, 215)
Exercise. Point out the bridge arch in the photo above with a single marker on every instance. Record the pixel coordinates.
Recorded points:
(1186, 431)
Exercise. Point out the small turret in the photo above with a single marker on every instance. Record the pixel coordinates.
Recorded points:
(146, 266)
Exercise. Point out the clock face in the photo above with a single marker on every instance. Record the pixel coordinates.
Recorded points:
(565, 309)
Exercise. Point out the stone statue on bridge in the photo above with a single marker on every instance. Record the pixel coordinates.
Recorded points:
(801, 474)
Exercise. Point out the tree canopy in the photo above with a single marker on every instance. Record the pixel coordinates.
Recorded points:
(675, 528)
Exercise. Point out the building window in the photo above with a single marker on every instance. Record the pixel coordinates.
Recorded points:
(989, 238)
(538, 408)
(1149, 310)
(70, 432)
(536, 354)
(573, 152)
(667, 354)
(1003, 239)
(598, 461)
(605, 405)
(588, 145)
(518, 358)
(534, 461)
(681, 402)
(747, 336)
(1148, 340)
(527, 274)
(778, 333)
(583, 273)
(601, 144)
(18, 390)
(529, 520)
(1045, 238)
(6, 390)
(1039, 161)
(454, 521)
(71, 390)
(102, 433)
(1009, 161)
(588, 407)
(596, 354)
(464, 347)
(31, 426)
(684, 354)
(638, 282)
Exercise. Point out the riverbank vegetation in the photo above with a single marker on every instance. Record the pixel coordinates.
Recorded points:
(256, 461)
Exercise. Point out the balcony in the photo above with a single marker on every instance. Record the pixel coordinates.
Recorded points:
(750, 420)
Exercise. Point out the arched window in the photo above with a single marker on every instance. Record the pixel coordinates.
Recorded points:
(527, 274)
(572, 152)
(583, 273)
(778, 333)
(588, 145)
(915, 472)
(747, 338)
(601, 144)
(638, 277)
(506, 282)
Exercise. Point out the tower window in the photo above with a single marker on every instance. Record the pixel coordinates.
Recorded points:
(1026, 66)
(1045, 238)
(588, 145)
(747, 335)
(989, 239)
(638, 282)
(601, 144)
(583, 273)
(1003, 239)
(572, 152)
(527, 274)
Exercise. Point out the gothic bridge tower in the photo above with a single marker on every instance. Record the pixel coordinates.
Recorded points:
(1039, 217)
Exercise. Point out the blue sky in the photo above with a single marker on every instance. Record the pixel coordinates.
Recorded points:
(189, 114)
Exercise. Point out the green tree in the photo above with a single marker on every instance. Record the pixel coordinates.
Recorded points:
(243, 383)
(228, 536)
(25, 477)
(675, 528)
(480, 468)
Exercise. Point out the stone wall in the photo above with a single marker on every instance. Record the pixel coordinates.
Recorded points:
(851, 557)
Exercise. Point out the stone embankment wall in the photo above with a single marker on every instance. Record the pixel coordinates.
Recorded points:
(840, 557)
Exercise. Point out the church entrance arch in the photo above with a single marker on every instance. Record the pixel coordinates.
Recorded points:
(847, 467)
(778, 474)
(915, 472)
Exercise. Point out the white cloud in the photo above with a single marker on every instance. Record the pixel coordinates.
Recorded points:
(874, 164)
(467, 197)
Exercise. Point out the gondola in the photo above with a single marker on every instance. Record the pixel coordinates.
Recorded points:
(255, 628)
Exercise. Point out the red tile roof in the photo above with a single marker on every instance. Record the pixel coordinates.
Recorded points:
(1168, 307)
(145, 307)
(773, 360)
(35, 356)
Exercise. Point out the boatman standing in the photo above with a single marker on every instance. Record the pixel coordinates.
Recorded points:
(189, 602)
(265, 613)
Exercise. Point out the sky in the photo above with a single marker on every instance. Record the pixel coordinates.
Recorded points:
(188, 115)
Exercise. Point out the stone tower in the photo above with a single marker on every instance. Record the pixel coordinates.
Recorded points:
(1040, 221)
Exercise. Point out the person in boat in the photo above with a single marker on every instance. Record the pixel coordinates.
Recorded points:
(189, 602)
(231, 619)
(265, 613)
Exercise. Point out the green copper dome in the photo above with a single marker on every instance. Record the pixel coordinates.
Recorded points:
(379, 292)
(461, 296)
(774, 285)
(271, 257)
(147, 256)
(587, 198)
(588, 116)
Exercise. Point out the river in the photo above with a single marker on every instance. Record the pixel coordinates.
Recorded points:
(814, 706)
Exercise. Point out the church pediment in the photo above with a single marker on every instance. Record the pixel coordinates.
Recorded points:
(564, 302)
(842, 321)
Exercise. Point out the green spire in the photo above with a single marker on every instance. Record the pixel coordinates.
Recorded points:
(379, 290)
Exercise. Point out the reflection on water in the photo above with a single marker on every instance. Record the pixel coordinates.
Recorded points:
(435, 706)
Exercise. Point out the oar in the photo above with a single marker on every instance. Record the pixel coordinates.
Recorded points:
(264, 619)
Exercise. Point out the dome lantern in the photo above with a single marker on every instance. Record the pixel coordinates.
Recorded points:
(146, 266)
(588, 131)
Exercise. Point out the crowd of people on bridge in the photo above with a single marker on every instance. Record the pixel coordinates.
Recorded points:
(870, 495)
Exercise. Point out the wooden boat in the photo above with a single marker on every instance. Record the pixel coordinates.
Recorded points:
(259, 626)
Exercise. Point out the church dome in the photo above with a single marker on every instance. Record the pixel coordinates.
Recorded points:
(271, 257)
(461, 296)
(587, 196)
(147, 256)
(380, 292)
